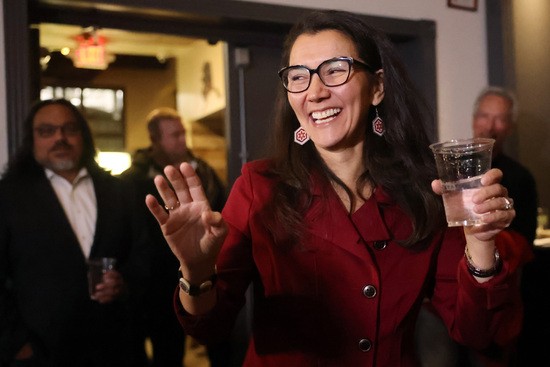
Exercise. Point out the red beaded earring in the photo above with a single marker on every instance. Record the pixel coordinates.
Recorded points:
(378, 124)
(300, 136)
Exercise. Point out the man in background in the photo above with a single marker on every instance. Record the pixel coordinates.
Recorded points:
(494, 117)
(168, 147)
(58, 209)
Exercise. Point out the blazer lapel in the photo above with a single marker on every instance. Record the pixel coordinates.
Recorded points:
(101, 194)
(329, 220)
(53, 210)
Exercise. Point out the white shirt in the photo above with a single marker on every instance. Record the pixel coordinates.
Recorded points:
(79, 203)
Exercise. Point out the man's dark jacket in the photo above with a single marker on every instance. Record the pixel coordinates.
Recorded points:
(43, 283)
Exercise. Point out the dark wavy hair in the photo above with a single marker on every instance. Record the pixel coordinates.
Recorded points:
(400, 161)
(23, 162)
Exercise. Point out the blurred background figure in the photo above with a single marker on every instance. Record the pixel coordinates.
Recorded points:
(59, 209)
(168, 147)
(494, 116)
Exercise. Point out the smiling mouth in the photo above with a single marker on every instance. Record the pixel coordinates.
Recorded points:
(320, 117)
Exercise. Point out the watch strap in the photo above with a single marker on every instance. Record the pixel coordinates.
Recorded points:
(195, 290)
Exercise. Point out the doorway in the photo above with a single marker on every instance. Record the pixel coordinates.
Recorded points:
(116, 77)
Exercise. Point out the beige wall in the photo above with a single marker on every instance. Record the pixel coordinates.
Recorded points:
(202, 103)
(195, 99)
(531, 29)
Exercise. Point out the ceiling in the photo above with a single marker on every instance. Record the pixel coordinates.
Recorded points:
(54, 37)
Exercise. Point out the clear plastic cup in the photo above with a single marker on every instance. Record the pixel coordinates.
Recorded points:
(96, 268)
(460, 165)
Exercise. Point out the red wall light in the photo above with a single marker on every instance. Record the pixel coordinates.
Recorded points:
(90, 52)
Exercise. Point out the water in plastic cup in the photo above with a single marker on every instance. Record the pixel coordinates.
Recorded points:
(460, 165)
(96, 268)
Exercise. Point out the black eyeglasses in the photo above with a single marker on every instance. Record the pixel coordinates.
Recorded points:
(47, 130)
(332, 72)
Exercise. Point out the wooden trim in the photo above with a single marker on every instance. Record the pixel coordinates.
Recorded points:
(470, 5)
(208, 16)
(17, 62)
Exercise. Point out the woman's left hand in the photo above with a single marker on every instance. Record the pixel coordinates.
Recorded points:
(492, 203)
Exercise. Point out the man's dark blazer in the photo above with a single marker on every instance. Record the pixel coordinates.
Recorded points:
(43, 281)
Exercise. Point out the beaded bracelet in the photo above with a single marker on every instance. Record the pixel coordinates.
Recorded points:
(480, 273)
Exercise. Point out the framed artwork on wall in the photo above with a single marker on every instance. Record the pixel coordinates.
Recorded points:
(463, 4)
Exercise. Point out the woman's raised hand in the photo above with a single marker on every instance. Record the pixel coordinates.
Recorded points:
(194, 232)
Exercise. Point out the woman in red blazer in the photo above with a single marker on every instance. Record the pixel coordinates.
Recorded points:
(341, 233)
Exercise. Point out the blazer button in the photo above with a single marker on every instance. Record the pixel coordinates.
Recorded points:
(380, 245)
(365, 345)
(369, 291)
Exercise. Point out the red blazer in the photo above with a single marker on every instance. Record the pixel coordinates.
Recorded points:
(349, 294)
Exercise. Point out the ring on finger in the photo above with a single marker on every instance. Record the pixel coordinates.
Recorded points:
(172, 207)
(508, 204)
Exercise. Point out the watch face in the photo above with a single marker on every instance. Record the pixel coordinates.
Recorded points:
(184, 285)
(196, 290)
(206, 286)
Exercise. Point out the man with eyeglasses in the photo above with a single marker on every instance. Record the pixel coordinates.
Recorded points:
(59, 209)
